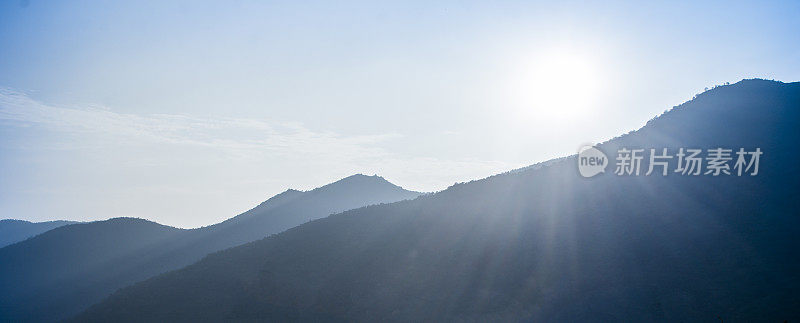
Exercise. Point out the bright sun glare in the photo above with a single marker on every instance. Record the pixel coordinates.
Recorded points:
(560, 85)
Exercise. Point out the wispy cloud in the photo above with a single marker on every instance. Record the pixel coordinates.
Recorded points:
(95, 163)
(236, 135)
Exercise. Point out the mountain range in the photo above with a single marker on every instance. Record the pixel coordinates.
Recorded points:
(61, 272)
(536, 244)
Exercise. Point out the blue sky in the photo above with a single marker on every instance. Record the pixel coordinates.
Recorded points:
(189, 112)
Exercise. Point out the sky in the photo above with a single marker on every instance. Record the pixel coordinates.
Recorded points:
(189, 112)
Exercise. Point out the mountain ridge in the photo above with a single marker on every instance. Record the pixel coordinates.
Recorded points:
(94, 259)
(540, 244)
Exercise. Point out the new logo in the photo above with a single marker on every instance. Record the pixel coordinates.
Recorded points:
(591, 161)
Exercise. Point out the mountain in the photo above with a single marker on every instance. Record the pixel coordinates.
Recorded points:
(59, 273)
(542, 244)
(13, 231)
(61, 269)
(292, 208)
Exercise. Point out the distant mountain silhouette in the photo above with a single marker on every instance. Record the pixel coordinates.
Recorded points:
(539, 244)
(61, 272)
(13, 231)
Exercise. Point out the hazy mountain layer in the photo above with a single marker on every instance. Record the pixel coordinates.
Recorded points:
(13, 231)
(63, 271)
(540, 244)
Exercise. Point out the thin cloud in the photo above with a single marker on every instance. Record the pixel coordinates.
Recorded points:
(238, 139)
(231, 134)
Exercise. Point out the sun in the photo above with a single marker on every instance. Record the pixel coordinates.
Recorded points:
(560, 84)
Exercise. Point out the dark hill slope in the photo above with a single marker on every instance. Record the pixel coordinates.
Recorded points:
(60, 273)
(541, 244)
(68, 264)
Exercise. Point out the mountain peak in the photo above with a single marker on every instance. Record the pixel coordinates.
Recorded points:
(360, 181)
(363, 177)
